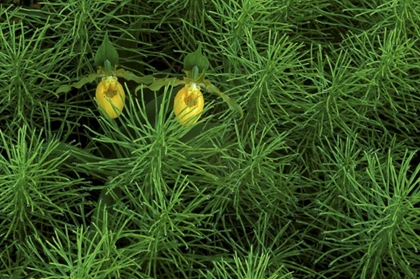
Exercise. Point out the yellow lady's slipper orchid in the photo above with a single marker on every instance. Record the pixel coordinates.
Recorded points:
(188, 104)
(110, 96)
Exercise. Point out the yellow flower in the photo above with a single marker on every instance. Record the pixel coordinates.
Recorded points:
(188, 104)
(110, 96)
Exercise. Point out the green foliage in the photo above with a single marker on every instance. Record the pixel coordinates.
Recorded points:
(318, 178)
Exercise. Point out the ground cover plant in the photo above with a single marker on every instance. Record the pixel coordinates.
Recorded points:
(302, 163)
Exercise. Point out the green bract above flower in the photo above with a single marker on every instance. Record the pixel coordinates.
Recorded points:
(196, 60)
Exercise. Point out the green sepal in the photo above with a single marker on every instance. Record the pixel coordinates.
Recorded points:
(231, 102)
(63, 89)
(196, 59)
(131, 76)
(87, 79)
(157, 84)
(106, 51)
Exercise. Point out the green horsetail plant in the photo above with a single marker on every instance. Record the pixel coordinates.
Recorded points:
(34, 191)
(251, 266)
(82, 252)
(368, 211)
(36, 194)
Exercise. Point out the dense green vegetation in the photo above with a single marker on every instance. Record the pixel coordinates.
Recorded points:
(319, 179)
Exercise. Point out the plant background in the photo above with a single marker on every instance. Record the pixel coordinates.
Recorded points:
(318, 180)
